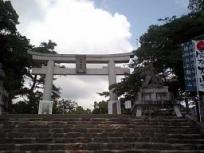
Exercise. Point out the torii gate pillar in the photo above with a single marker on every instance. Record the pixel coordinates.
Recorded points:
(113, 104)
(48, 81)
(46, 103)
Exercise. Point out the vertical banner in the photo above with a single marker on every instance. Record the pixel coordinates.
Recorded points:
(81, 64)
(188, 56)
(199, 57)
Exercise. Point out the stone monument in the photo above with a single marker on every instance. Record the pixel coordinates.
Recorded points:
(153, 95)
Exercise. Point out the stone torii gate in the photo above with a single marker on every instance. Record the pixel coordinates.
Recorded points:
(45, 106)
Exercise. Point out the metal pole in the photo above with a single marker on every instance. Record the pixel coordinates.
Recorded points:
(198, 109)
(187, 105)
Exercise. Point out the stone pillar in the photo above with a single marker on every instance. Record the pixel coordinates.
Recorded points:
(118, 107)
(48, 81)
(45, 106)
(113, 104)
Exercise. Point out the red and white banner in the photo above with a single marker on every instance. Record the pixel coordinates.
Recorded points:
(199, 64)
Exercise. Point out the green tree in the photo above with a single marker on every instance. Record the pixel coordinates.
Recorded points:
(81, 110)
(196, 5)
(161, 46)
(105, 94)
(8, 18)
(100, 107)
(33, 93)
(46, 47)
(66, 106)
(13, 51)
(129, 85)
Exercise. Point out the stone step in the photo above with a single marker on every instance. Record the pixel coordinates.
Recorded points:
(98, 134)
(113, 134)
(61, 116)
(99, 146)
(107, 139)
(94, 124)
(73, 120)
(84, 117)
(96, 119)
(110, 151)
(100, 129)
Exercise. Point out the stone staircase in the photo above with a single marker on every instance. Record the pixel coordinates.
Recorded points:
(97, 134)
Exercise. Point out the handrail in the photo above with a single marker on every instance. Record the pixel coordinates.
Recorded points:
(196, 123)
(189, 111)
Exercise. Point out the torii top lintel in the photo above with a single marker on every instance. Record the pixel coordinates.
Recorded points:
(90, 58)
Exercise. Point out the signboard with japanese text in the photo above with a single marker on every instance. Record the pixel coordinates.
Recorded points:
(81, 64)
(188, 56)
(193, 64)
(199, 52)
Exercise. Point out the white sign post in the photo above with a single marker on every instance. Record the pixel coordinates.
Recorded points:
(199, 64)
(128, 104)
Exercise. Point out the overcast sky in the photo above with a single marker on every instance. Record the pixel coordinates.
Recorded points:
(91, 26)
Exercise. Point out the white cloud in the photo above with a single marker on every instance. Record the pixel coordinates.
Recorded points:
(83, 89)
(77, 26)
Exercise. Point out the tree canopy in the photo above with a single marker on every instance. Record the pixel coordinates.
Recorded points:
(17, 64)
(14, 47)
(196, 5)
(161, 46)
(8, 18)
(100, 107)
(31, 94)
